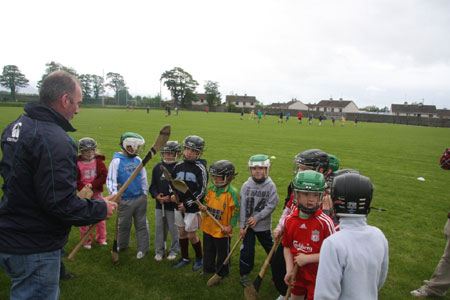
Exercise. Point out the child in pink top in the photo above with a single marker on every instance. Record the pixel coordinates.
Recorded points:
(92, 172)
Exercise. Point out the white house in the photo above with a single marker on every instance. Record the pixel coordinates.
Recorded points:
(335, 106)
(241, 101)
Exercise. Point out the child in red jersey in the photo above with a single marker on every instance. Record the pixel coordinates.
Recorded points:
(92, 172)
(304, 231)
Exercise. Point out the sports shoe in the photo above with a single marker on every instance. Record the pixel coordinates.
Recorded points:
(245, 280)
(87, 246)
(281, 297)
(171, 256)
(181, 262)
(103, 243)
(197, 264)
(158, 257)
(140, 255)
(422, 293)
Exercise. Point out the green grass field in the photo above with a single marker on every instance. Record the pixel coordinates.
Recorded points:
(393, 156)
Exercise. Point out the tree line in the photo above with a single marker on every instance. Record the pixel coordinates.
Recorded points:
(179, 82)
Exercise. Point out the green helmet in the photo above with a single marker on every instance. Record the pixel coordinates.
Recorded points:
(259, 160)
(334, 162)
(134, 140)
(310, 181)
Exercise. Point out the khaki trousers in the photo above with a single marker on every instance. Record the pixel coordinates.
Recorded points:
(440, 281)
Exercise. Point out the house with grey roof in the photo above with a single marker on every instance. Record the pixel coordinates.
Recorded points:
(414, 110)
(443, 113)
(334, 106)
(241, 101)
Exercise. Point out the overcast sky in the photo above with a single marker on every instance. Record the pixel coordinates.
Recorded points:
(374, 52)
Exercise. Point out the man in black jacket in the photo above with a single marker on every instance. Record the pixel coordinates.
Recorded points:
(39, 203)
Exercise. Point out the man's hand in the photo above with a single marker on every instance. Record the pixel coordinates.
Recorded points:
(110, 206)
(202, 208)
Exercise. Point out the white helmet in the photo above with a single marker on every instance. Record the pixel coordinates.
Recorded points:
(133, 140)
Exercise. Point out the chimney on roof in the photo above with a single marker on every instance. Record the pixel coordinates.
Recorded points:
(340, 99)
(331, 99)
(406, 103)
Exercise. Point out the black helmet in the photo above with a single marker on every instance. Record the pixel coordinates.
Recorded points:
(223, 168)
(339, 173)
(312, 158)
(87, 144)
(194, 142)
(351, 194)
(171, 147)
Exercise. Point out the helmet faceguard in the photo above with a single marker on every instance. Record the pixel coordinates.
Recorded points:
(132, 143)
(171, 147)
(351, 194)
(224, 169)
(87, 144)
(309, 182)
(195, 143)
(313, 159)
(262, 161)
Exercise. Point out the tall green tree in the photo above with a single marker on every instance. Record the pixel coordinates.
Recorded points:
(115, 82)
(13, 79)
(98, 86)
(86, 85)
(212, 93)
(179, 82)
(54, 66)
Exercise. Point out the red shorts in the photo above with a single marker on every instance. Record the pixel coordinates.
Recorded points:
(301, 290)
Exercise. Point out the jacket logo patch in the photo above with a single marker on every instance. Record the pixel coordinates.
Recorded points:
(15, 132)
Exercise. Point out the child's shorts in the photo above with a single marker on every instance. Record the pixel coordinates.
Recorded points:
(191, 221)
(301, 290)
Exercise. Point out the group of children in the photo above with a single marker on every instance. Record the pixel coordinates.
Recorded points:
(321, 200)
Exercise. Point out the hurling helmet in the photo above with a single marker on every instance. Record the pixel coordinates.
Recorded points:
(333, 162)
(309, 181)
(259, 160)
(87, 143)
(133, 140)
(312, 158)
(351, 194)
(171, 147)
(223, 168)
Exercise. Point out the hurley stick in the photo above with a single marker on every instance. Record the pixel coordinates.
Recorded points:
(182, 187)
(85, 193)
(251, 291)
(159, 143)
(115, 250)
(215, 279)
(291, 284)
